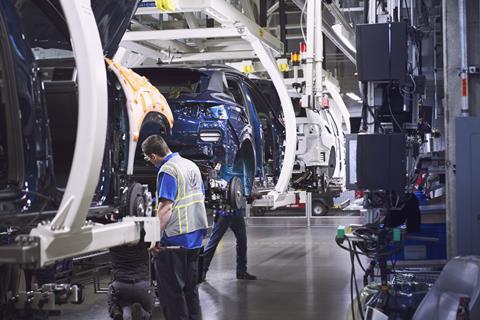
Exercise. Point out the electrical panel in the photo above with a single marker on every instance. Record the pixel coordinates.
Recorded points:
(381, 162)
(382, 52)
(467, 215)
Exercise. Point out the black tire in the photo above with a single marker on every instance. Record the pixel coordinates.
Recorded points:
(136, 201)
(236, 197)
(328, 201)
(319, 208)
(258, 212)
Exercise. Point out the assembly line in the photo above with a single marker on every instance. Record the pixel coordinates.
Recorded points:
(336, 140)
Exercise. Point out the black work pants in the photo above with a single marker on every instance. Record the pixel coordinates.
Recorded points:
(121, 296)
(177, 275)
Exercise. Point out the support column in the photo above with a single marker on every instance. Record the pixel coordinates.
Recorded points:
(283, 24)
(262, 15)
(452, 103)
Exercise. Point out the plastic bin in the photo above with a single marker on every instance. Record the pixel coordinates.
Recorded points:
(426, 250)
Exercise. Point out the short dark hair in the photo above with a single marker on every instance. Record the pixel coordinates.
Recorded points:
(155, 144)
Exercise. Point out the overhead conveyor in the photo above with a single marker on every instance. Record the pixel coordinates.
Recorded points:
(234, 24)
(219, 10)
(234, 36)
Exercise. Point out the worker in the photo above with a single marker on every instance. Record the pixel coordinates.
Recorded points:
(130, 296)
(183, 222)
(235, 221)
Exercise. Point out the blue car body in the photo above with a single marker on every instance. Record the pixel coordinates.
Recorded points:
(223, 123)
(38, 112)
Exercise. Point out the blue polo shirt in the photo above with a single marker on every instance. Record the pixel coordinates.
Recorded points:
(167, 189)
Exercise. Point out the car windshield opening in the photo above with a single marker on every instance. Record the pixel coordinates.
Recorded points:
(173, 83)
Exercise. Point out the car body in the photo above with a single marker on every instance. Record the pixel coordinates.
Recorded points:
(320, 154)
(224, 124)
(39, 86)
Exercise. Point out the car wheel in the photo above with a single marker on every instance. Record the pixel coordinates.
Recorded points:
(319, 208)
(235, 194)
(258, 212)
(328, 201)
(139, 201)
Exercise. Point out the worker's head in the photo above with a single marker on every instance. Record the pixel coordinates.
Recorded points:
(155, 149)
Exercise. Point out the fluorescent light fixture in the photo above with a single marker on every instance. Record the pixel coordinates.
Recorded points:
(354, 97)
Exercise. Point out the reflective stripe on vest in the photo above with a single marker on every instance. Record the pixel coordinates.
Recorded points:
(188, 212)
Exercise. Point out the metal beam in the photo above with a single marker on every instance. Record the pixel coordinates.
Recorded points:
(452, 102)
(129, 58)
(226, 15)
(200, 33)
(227, 45)
(143, 49)
(193, 24)
(352, 9)
(332, 35)
(282, 23)
(169, 43)
(248, 9)
(60, 244)
(212, 56)
(152, 10)
(299, 3)
(268, 61)
(92, 116)
(239, 53)
(335, 11)
(272, 9)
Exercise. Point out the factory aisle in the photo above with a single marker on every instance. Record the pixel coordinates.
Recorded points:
(302, 274)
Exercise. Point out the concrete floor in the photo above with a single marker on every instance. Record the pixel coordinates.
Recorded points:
(302, 275)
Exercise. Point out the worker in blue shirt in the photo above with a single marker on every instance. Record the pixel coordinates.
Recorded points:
(183, 222)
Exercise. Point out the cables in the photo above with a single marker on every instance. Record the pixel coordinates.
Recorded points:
(408, 13)
(365, 108)
(353, 279)
(391, 113)
(352, 305)
(377, 243)
(358, 259)
(403, 91)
